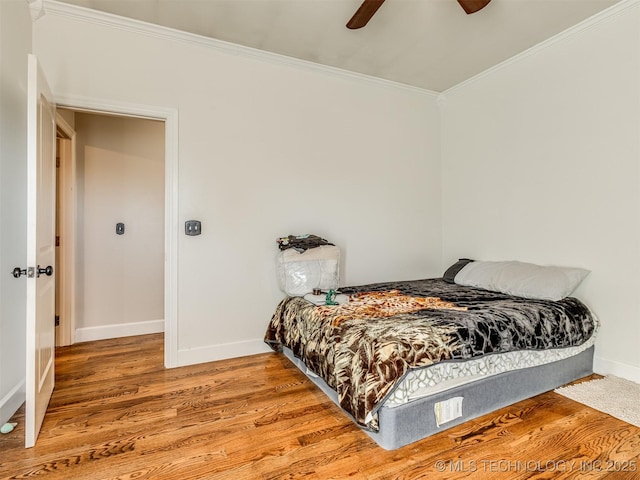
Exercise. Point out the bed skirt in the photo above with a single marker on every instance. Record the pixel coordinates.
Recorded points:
(407, 423)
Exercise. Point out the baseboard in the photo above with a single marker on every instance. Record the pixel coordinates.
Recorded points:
(12, 402)
(212, 353)
(603, 366)
(103, 332)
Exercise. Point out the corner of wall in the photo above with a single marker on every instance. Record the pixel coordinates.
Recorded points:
(441, 103)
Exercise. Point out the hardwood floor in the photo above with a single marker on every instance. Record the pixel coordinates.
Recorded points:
(116, 413)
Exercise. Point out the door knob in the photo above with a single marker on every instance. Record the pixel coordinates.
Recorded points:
(18, 272)
(48, 271)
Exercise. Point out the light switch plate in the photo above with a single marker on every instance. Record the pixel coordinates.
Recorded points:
(192, 227)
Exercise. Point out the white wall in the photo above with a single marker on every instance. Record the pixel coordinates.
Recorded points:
(15, 44)
(120, 178)
(267, 147)
(540, 164)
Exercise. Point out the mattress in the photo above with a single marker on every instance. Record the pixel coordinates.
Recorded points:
(443, 376)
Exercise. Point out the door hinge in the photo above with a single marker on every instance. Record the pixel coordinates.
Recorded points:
(57, 320)
(57, 241)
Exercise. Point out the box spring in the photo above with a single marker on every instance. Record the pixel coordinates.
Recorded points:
(405, 424)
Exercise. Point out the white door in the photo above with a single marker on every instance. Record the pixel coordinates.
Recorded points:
(41, 197)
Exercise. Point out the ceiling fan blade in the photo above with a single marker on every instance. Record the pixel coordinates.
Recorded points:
(472, 6)
(364, 13)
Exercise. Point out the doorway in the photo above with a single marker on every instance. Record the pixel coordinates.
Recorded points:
(65, 228)
(117, 179)
(171, 221)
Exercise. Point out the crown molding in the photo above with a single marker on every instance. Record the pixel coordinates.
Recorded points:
(590, 22)
(36, 8)
(53, 7)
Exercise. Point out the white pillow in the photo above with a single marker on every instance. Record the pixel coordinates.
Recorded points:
(522, 279)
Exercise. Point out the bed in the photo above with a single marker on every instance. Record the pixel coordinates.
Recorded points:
(408, 359)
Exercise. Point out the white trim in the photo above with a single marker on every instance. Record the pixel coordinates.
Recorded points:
(170, 117)
(592, 21)
(139, 27)
(106, 107)
(103, 332)
(212, 353)
(66, 275)
(603, 366)
(36, 9)
(171, 241)
(12, 402)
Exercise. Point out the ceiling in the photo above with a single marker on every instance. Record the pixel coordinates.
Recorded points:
(431, 44)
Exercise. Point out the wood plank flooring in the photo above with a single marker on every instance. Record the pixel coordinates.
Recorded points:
(116, 413)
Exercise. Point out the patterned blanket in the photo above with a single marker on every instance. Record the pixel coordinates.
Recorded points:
(371, 305)
(364, 348)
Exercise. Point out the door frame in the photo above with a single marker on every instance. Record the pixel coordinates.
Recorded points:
(67, 208)
(170, 118)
